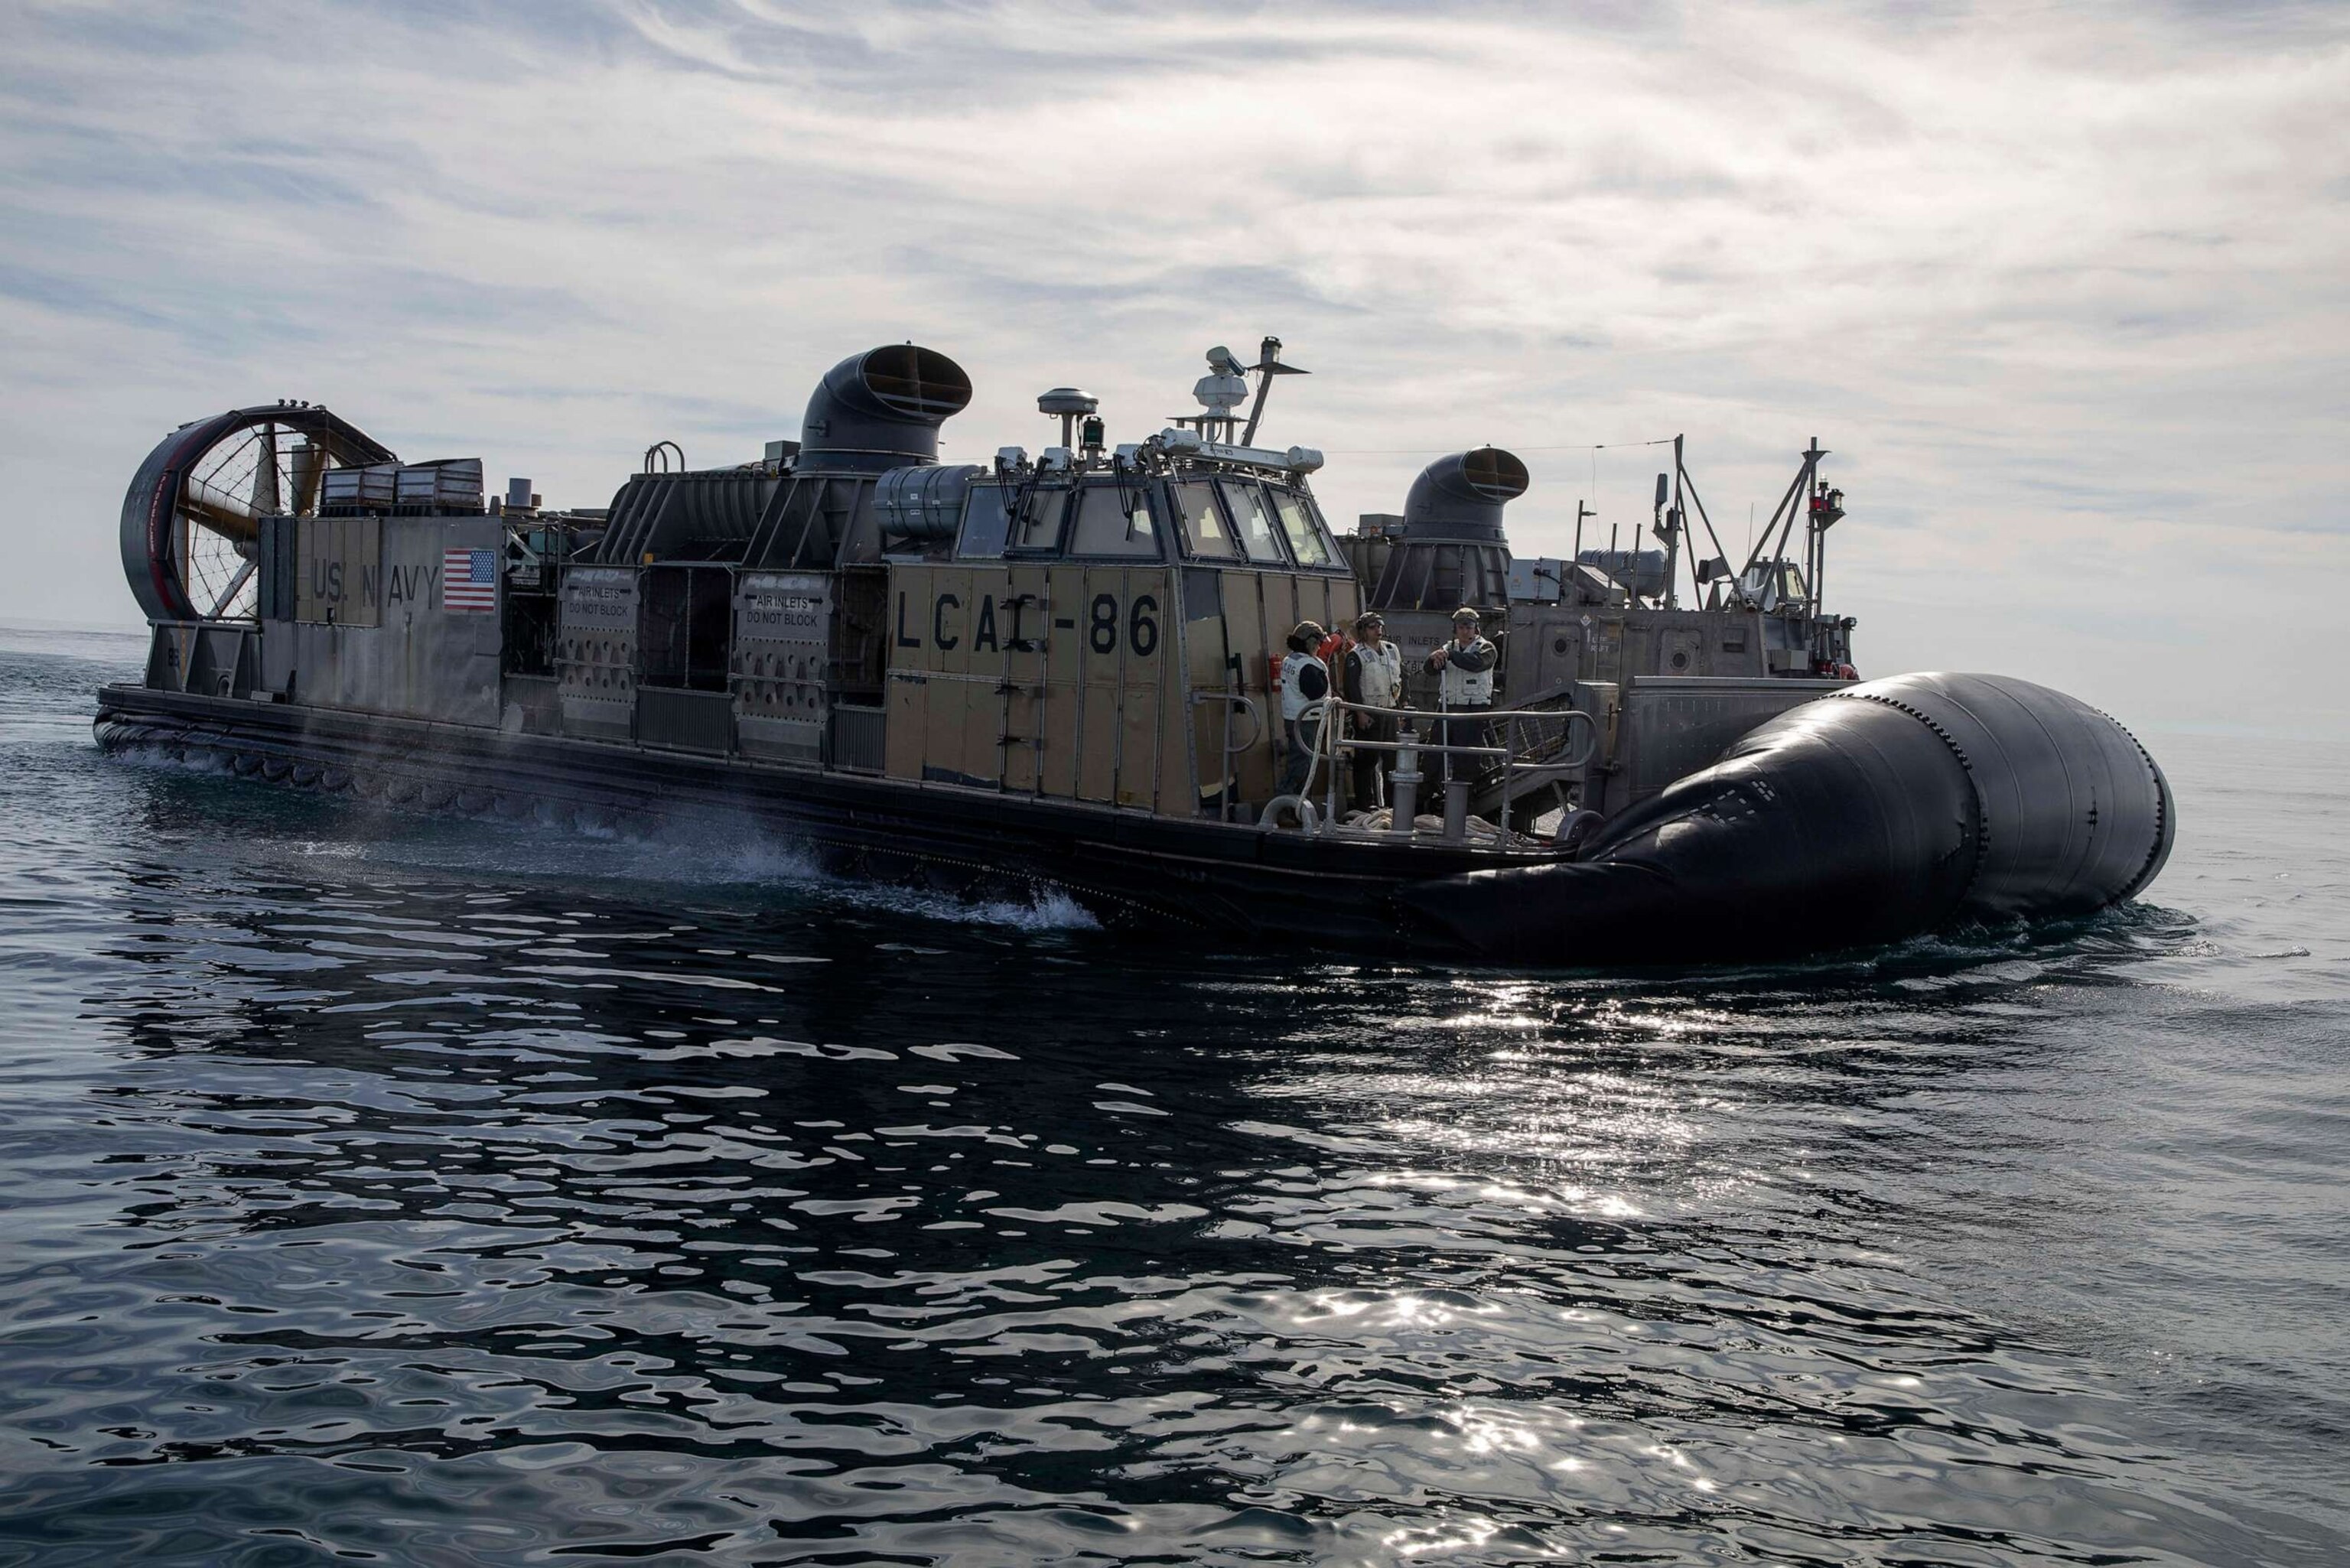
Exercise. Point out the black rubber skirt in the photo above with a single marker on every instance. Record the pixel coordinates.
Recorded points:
(1875, 813)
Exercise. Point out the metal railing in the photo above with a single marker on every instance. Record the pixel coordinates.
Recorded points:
(1517, 771)
(1228, 778)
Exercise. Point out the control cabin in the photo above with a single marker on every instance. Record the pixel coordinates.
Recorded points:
(1111, 635)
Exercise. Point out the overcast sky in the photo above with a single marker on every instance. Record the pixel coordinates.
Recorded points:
(2064, 288)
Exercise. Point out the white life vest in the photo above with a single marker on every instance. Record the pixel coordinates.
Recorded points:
(1382, 665)
(1465, 688)
(1293, 693)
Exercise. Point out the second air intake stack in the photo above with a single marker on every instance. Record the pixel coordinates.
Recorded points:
(1452, 551)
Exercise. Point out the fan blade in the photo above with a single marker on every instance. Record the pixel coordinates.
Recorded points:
(309, 466)
(229, 516)
(265, 473)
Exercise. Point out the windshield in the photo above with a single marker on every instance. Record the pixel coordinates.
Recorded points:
(1252, 518)
(1040, 521)
(1204, 534)
(983, 522)
(1305, 538)
(1113, 520)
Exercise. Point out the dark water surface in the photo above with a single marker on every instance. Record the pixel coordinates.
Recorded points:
(377, 1187)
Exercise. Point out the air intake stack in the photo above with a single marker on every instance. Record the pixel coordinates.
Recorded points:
(811, 510)
(1452, 551)
(882, 409)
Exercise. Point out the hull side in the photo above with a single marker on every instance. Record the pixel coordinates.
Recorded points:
(1873, 814)
(1217, 882)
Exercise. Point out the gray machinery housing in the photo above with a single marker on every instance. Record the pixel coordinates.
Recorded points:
(1670, 687)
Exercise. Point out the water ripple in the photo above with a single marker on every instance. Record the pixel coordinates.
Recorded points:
(383, 1187)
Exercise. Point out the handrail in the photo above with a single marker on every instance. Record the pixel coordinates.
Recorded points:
(1248, 705)
(1455, 712)
(1327, 742)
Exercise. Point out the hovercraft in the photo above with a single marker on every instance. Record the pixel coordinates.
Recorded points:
(1092, 671)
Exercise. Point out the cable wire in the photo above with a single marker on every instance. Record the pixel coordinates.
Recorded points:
(1420, 451)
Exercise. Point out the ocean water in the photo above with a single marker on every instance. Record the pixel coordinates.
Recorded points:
(378, 1186)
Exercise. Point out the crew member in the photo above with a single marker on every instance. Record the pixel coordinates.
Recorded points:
(1374, 677)
(1465, 669)
(1304, 679)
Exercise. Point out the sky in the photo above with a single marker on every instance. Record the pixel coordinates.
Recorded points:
(2064, 289)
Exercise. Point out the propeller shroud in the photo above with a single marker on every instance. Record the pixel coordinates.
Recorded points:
(191, 518)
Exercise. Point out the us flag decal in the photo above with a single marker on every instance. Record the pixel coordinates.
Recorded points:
(469, 579)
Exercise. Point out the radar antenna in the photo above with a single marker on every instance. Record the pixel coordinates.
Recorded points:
(1225, 386)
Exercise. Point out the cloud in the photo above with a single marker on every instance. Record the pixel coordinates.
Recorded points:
(2060, 287)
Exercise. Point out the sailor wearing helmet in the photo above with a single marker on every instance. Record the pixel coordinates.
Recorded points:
(1465, 669)
(1374, 678)
(1305, 680)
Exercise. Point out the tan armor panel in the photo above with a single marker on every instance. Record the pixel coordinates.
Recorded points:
(1048, 679)
(1023, 618)
(1246, 638)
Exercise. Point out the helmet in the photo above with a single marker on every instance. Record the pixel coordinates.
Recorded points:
(1308, 632)
(1369, 618)
(1465, 613)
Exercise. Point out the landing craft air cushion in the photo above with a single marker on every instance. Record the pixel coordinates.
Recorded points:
(1060, 674)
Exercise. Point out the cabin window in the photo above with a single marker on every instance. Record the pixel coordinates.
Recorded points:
(1253, 519)
(985, 525)
(1306, 539)
(1322, 526)
(1040, 520)
(1113, 519)
(1206, 535)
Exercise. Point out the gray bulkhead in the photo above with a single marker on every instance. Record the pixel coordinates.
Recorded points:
(1668, 687)
(356, 612)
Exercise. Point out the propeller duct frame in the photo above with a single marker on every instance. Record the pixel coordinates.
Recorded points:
(174, 494)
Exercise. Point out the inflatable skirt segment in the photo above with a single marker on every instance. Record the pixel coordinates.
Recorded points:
(1874, 813)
